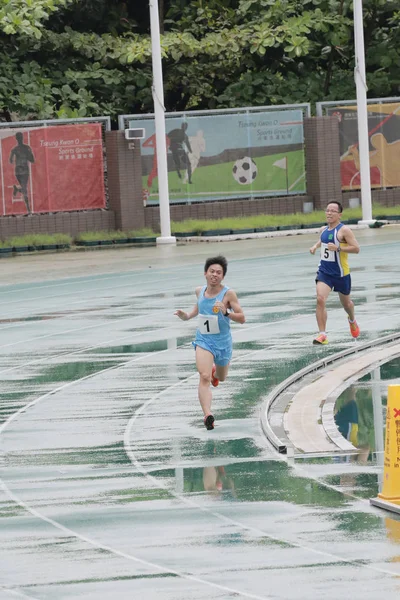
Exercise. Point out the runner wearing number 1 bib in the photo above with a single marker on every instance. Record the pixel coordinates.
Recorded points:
(336, 242)
(217, 305)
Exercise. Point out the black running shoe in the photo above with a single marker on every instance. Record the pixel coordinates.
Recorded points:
(209, 422)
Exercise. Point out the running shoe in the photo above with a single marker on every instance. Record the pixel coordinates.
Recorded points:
(214, 380)
(209, 422)
(321, 339)
(354, 329)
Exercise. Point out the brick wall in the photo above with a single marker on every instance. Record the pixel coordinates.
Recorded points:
(234, 208)
(124, 171)
(389, 197)
(321, 136)
(71, 222)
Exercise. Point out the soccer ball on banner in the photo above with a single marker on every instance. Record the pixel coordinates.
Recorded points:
(244, 170)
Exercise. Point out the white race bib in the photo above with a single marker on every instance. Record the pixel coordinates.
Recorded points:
(208, 324)
(326, 254)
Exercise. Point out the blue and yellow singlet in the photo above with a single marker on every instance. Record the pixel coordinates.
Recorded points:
(333, 263)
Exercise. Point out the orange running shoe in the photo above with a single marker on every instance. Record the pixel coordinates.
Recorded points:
(214, 380)
(321, 339)
(354, 329)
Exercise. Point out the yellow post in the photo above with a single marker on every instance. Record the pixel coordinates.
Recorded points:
(389, 497)
(391, 469)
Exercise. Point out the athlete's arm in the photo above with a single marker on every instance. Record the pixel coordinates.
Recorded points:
(317, 245)
(347, 236)
(193, 313)
(231, 301)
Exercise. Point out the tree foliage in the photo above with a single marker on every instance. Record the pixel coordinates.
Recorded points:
(66, 58)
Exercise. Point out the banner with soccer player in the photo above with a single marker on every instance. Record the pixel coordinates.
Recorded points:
(51, 169)
(225, 156)
(384, 144)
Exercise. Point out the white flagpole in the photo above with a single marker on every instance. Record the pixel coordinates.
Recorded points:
(159, 110)
(362, 113)
(287, 176)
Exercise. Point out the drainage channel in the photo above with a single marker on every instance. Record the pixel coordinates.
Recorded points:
(298, 415)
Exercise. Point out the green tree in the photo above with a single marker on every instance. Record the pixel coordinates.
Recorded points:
(65, 58)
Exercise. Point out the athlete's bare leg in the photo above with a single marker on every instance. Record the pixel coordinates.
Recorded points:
(323, 292)
(221, 373)
(348, 305)
(204, 363)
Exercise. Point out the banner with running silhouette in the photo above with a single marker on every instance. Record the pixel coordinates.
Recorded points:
(384, 144)
(51, 169)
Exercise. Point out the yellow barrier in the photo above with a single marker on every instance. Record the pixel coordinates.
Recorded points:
(389, 497)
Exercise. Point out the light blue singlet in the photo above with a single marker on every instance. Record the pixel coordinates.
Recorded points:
(213, 330)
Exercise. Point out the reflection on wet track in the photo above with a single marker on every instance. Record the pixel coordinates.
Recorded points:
(112, 487)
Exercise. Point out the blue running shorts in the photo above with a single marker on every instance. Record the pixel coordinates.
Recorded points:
(222, 356)
(337, 284)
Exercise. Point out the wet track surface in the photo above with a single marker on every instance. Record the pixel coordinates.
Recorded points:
(110, 484)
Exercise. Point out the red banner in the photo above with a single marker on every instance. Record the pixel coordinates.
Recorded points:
(51, 169)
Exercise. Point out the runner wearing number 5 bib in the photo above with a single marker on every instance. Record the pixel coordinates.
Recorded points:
(217, 305)
(336, 242)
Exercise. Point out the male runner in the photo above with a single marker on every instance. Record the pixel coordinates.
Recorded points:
(336, 242)
(217, 305)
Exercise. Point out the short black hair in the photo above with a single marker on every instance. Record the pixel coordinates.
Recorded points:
(216, 260)
(339, 205)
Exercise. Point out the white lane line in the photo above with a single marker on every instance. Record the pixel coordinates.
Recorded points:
(89, 280)
(47, 360)
(103, 325)
(259, 532)
(96, 290)
(88, 540)
(93, 293)
(126, 299)
(157, 483)
(161, 312)
(17, 593)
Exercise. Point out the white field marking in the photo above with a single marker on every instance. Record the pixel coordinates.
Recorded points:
(218, 515)
(132, 336)
(103, 325)
(92, 294)
(91, 282)
(103, 291)
(17, 593)
(88, 540)
(128, 336)
(132, 557)
(68, 531)
(47, 359)
(77, 302)
(168, 279)
(182, 498)
(110, 322)
(77, 280)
